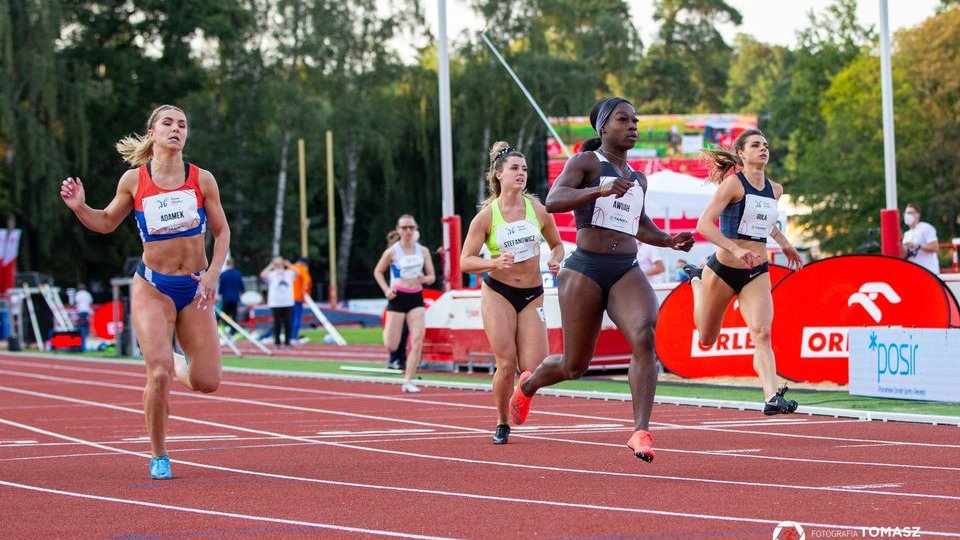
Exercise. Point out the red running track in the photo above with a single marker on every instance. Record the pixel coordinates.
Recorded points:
(272, 457)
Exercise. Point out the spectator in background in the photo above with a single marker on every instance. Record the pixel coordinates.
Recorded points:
(651, 264)
(279, 276)
(681, 276)
(920, 241)
(83, 301)
(231, 287)
(302, 285)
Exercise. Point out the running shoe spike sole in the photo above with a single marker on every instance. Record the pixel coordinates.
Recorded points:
(641, 444)
(520, 403)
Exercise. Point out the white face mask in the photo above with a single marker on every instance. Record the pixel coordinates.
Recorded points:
(909, 218)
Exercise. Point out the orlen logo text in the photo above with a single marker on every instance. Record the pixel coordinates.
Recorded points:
(831, 341)
(730, 342)
(894, 358)
(824, 342)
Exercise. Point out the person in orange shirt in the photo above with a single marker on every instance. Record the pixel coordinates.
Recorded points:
(302, 284)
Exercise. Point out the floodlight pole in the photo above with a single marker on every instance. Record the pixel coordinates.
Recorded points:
(451, 230)
(446, 147)
(889, 217)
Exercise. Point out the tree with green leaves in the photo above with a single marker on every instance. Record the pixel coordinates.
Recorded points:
(685, 70)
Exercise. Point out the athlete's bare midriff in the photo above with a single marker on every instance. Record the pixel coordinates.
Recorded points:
(606, 241)
(176, 256)
(727, 258)
(523, 275)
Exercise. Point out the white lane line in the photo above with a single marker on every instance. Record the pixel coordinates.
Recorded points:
(175, 438)
(866, 445)
(818, 461)
(474, 461)
(450, 403)
(769, 420)
(192, 510)
(475, 496)
(873, 486)
(375, 432)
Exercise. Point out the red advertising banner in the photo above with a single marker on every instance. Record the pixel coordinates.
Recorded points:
(103, 324)
(678, 344)
(816, 306)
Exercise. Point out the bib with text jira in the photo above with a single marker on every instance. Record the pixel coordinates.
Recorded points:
(759, 216)
(619, 213)
(171, 212)
(521, 238)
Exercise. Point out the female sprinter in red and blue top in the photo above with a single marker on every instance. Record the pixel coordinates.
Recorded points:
(175, 287)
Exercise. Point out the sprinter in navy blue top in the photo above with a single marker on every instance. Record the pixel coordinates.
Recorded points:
(607, 198)
(746, 206)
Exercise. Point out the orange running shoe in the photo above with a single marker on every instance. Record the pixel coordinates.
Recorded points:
(642, 445)
(519, 403)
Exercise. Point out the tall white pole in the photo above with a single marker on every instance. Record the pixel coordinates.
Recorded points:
(886, 90)
(446, 147)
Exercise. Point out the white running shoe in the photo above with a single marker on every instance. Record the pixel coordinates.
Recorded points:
(410, 387)
(181, 367)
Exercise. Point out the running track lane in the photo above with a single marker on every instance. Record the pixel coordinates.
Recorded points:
(424, 465)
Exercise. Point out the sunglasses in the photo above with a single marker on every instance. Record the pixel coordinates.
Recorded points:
(407, 227)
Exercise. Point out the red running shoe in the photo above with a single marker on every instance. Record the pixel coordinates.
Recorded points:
(642, 445)
(519, 403)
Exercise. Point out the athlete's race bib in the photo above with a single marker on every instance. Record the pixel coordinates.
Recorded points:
(520, 238)
(759, 216)
(619, 214)
(171, 212)
(410, 266)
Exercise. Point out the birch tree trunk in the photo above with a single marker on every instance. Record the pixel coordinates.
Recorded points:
(482, 180)
(348, 204)
(281, 192)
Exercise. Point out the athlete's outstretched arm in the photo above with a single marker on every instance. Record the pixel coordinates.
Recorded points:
(470, 260)
(567, 193)
(217, 221)
(106, 220)
(429, 274)
(727, 193)
(552, 236)
(649, 233)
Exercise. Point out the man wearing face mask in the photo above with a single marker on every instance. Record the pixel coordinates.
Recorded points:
(920, 240)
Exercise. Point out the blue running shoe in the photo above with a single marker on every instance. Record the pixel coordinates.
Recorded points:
(160, 468)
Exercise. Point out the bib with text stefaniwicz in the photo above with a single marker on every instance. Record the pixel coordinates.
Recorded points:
(521, 238)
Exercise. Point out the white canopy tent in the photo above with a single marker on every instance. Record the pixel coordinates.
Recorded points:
(671, 194)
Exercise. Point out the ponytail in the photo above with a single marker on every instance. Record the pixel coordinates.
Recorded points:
(135, 149)
(723, 160)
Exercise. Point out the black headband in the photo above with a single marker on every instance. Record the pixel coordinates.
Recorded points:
(605, 111)
(504, 152)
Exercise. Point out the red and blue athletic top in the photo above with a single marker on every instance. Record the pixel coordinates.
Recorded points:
(163, 214)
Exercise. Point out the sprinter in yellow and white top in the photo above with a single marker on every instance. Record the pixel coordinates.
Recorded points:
(512, 225)
(521, 238)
